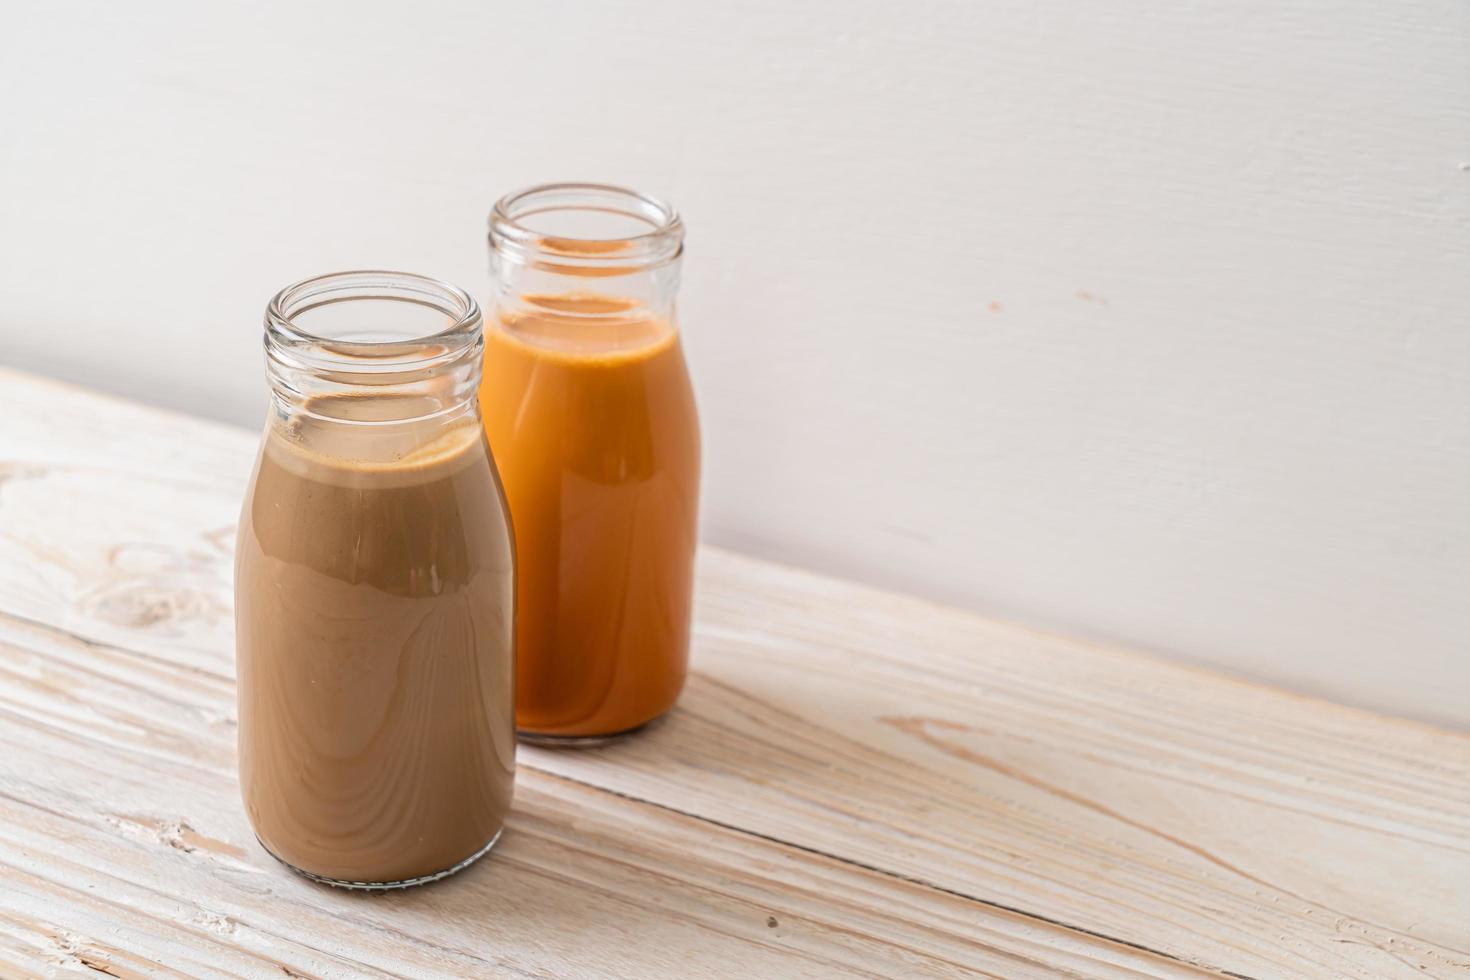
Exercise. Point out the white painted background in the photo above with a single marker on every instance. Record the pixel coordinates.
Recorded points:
(1146, 321)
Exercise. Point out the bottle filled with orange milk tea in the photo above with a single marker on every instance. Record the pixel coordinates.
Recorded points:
(590, 414)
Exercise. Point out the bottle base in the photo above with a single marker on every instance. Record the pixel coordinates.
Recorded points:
(379, 886)
(554, 741)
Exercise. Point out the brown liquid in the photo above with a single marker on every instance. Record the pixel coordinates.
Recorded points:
(374, 627)
(592, 419)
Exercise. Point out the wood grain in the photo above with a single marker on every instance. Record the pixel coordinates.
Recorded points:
(856, 783)
(122, 843)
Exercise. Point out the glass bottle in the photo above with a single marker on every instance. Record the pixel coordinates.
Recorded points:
(591, 415)
(374, 589)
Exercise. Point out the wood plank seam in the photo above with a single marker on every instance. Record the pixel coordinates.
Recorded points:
(1110, 813)
(896, 875)
(998, 906)
(294, 940)
(165, 665)
(175, 841)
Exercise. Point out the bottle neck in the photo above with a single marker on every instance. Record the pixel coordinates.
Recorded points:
(589, 254)
(373, 348)
(530, 288)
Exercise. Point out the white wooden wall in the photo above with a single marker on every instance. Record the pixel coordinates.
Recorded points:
(1144, 320)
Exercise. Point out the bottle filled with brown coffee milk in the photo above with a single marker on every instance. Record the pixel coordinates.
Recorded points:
(374, 589)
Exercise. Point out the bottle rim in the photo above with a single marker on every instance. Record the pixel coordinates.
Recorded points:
(369, 285)
(302, 361)
(519, 228)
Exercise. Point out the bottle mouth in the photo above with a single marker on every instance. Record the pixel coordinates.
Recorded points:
(596, 229)
(373, 331)
(377, 317)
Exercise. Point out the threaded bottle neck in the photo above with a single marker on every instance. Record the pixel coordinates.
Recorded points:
(411, 343)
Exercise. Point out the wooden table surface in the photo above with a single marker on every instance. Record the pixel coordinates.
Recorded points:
(855, 783)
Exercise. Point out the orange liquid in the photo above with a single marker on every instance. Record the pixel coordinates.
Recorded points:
(591, 419)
